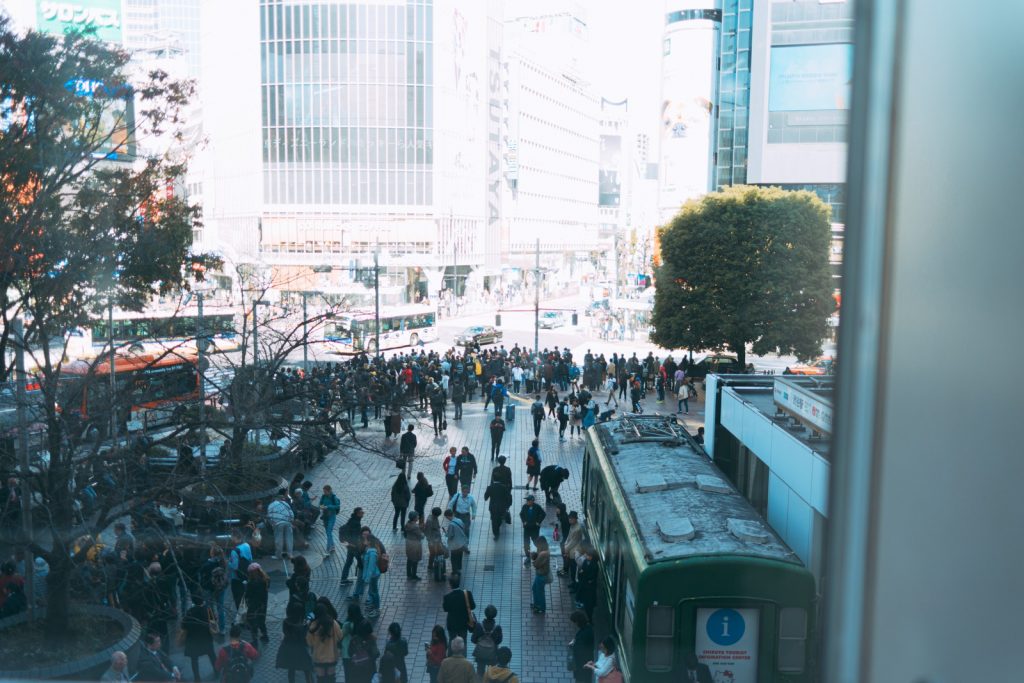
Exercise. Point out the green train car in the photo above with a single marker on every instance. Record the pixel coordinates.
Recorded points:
(688, 566)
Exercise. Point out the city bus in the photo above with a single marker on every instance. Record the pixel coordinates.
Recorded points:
(154, 332)
(407, 325)
(150, 389)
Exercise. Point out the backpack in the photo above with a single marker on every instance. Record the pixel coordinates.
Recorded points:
(219, 579)
(486, 649)
(239, 669)
(531, 461)
(383, 562)
(537, 409)
(359, 654)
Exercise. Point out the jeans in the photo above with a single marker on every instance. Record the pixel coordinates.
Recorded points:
(399, 512)
(457, 555)
(351, 557)
(329, 521)
(283, 538)
(539, 594)
(530, 533)
(496, 447)
(684, 402)
(372, 596)
(536, 425)
(498, 405)
(437, 415)
(516, 383)
(458, 410)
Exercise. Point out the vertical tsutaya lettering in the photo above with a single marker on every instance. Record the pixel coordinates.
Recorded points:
(494, 118)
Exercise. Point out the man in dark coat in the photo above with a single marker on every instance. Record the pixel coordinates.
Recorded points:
(532, 516)
(349, 534)
(457, 604)
(153, 663)
(466, 466)
(551, 477)
(503, 474)
(407, 446)
(499, 499)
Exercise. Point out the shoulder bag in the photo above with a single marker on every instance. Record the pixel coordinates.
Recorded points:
(470, 618)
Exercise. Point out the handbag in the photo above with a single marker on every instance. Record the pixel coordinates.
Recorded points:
(400, 462)
(470, 618)
(444, 425)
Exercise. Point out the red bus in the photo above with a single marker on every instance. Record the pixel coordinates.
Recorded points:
(149, 389)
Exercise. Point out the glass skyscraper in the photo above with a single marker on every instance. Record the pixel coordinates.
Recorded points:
(733, 111)
(347, 94)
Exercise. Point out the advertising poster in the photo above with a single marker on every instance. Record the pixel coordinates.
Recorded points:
(609, 184)
(103, 15)
(727, 642)
(810, 77)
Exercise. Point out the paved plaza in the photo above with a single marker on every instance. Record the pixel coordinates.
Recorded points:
(493, 570)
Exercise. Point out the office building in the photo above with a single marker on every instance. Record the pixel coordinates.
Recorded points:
(688, 94)
(165, 26)
(341, 128)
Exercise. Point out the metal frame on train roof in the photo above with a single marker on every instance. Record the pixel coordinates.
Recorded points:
(641, 428)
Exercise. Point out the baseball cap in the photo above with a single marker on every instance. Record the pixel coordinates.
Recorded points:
(530, 497)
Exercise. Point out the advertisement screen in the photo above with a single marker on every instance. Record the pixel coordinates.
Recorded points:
(609, 183)
(59, 17)
(810, 77)
(110, 135)
(727, 642)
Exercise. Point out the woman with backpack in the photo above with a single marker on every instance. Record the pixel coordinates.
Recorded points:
(353, 617)
(392, 663)
(257, 591)
(363, 653)
(323, 637)
(487, 636)
(533, 463)
(293, 654)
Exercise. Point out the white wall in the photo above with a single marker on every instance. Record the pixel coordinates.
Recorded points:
(798, 480)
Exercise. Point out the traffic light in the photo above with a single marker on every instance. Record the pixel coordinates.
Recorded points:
(497, 320)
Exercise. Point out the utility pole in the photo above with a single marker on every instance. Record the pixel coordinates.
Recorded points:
(376, 299)
(305, 358)
(536, 303)
(200, 348)
(26, 498)
(113, 381)
(255, 337)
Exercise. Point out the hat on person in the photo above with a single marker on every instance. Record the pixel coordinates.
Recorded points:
(530, 497)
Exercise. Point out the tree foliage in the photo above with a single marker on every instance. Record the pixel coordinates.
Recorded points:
(747, 265)
(78, 230)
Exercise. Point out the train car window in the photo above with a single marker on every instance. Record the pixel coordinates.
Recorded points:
(792, 639)
(660, 637)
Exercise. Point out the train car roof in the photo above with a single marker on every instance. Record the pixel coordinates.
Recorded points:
(681, 504)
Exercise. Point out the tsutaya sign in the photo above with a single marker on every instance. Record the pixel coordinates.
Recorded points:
(811, 408)
(104, 15)
(727, 642)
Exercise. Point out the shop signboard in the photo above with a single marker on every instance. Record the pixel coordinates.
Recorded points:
(105, 16)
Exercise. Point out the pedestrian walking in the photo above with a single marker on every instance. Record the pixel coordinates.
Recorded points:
(463, 505)
(363, 653)
(400, 496)
(458, 389)
(572, 548)
(500, 673)
(293, 654)
(497, 434)
(414, 535)
(682, 396)
(349, 535)
(282, 517)
(238, 565)
(198, 640)
(458, 604)
(436, 649)
(502, 473)
(257, 593)
(330, 506)
(435, 545)
(234, 660)
(563, 418)
(323, 638)
(458, 542)
(353, 618)
(551, 401)
(407, 446)
(487, 636)
(533, 464)
(581, 647)
(438, 398)
(392, 662)
(537, 413)
(369, 577)
(576, 419)
(466, 467)
(451, 466)
(532, 516)
(420, 493)
(214, 579)
(500, 499)
(542, 575)
(498, 395)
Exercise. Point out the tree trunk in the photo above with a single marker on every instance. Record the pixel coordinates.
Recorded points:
(741, 355)
(58, 598)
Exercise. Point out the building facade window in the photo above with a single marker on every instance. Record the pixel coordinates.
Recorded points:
(347, 101)
(730, 149)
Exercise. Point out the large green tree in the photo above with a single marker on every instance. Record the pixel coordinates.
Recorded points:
(747, 265)
(84, 224)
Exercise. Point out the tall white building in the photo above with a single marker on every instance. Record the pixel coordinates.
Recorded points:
(688, 82)
(340, 128)
(552, 139)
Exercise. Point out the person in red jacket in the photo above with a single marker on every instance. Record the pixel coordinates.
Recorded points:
(233, 651)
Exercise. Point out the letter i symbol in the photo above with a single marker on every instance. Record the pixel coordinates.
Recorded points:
(725, 627)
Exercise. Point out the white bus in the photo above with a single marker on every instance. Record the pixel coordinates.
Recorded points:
(353, 331)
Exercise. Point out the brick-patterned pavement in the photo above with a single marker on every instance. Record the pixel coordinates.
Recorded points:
(493, 570)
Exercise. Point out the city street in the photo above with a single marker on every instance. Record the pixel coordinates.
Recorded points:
(493, 570)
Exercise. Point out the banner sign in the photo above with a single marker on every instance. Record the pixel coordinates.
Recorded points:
(727, 642)
(59, 17)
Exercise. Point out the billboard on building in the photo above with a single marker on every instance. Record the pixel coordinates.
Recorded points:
(609, 183)
(104, 16)
(688, 92)
(810, 77)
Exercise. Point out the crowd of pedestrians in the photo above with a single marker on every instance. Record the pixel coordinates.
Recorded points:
(207, 598)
